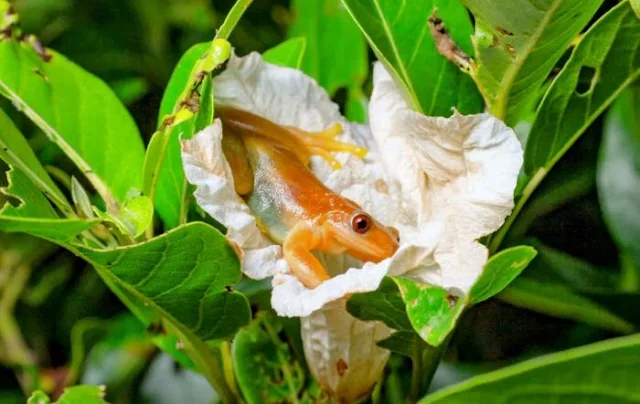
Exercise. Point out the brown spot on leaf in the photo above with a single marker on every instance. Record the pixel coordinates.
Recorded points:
(452, 300)
(341, 367)
(41, 74)
(504, 31)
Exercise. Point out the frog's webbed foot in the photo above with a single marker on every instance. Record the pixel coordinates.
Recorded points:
(297, 252)
(324, 142)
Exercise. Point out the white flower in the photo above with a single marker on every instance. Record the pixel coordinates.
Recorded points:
(442, 182)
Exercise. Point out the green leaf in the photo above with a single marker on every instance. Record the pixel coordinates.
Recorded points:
(605, 56)
(517, 45)
(258, 350)
(560, 301)
(73, 395)
(184, 278)
(60, 231)
(38, 397)
(171, 181)
(15, 151)
(604, 372)
(499, 271)
(34, 214)
(136, 215)
(31, 201)
(401, 342)
(619, 173)
(79, 113)
(399, 35)
(635, 5)
(187, 274)
(433, 311)
(336, 53)
(287, 54)
(384, 304)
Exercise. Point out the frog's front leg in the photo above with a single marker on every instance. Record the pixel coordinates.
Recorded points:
(297, 247)
(236, 155)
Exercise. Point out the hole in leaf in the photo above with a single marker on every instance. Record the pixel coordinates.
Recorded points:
(587, 80)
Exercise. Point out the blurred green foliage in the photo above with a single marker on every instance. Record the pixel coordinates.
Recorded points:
(572, 96)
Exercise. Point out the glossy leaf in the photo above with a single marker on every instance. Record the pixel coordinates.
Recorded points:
(336, 53)
(560, 301)
(73, 395)
(186, 274)
(619, 174)
(517, 45)
(258, 350)
(183, 279)
(289, 53)
(78, 112)
(15, 151)
(433, 311)
(608, 56)
(499, 271)
(384, 304)
(603, 372)
(399, 35)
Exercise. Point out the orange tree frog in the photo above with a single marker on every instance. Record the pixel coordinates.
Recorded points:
(270, 170)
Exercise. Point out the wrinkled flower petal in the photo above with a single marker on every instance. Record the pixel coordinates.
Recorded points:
(458, 172)
(342, 351)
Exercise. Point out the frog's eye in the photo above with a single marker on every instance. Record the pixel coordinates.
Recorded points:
(361, 223)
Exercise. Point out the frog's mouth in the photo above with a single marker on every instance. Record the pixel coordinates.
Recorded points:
(375, 246)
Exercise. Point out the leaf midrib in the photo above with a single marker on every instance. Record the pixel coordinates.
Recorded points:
(396, 53)
(509, 77)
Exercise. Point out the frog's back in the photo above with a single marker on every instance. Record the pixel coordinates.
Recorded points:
(285, 191)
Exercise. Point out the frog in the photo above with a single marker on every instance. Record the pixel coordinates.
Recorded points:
(270, 164)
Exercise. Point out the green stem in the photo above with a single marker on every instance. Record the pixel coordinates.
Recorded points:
(416, 372)
(233, 18)
(426, 360)
(498, 237)
(184, 203)
(227, 367)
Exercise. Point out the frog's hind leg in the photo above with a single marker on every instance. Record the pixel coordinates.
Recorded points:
(235, 153)
(323, 143)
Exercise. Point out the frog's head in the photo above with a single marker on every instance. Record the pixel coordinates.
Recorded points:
(358, 234)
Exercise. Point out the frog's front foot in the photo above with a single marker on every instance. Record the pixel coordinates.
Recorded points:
(323, 143)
